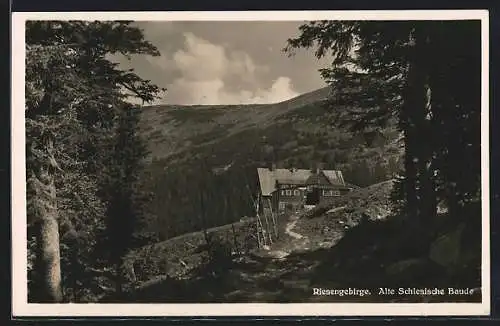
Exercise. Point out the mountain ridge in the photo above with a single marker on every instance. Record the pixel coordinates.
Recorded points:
(210, 119)
(314, 95)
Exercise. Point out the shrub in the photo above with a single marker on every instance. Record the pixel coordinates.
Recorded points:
(220, 257)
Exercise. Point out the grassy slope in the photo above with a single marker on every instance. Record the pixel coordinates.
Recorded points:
(296, 133)
(164, 258)
(300, 127)
(176, 129)
(177, 256)
(366, 255)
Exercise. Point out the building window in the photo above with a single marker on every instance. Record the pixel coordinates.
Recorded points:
(282, 192)
(331, 193)
(281, 206)
(296, 192)
(288, 192)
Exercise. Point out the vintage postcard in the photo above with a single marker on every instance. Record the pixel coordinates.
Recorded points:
(270, 163)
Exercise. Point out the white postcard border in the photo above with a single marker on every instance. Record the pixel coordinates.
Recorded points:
(20, 306)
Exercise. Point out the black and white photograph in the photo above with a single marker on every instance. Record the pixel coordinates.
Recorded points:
(167, 164)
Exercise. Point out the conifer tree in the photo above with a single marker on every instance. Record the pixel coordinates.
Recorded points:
(423, 75)
(126, 219)
(73, 93)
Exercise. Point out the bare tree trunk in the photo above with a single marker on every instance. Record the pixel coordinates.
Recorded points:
(410, 154)
(420, 183)
(428, 196)
(48, 261)
(423, 118)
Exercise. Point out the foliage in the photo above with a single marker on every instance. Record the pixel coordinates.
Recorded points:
(74, 96)
(424, 75)
(220, 256)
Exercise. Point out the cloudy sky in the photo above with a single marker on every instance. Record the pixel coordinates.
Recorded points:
(226, 62)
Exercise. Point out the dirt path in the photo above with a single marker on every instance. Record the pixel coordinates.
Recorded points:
(292, 241)
(290, 225)
(336, 209)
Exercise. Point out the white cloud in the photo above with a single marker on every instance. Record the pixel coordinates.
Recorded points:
(280, 90)
(196, 91)
(206, 70)
(213, 92)
(201, 60)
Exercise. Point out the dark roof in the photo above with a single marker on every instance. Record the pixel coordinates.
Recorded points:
(268, 178)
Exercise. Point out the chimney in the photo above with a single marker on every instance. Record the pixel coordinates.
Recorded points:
(314, 167)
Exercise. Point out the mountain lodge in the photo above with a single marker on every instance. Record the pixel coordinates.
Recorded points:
(288, 190)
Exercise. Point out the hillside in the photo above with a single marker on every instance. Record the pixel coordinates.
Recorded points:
(174, 129)
(322, 228)
(182, 259)
(215, 150)
(351, 244)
